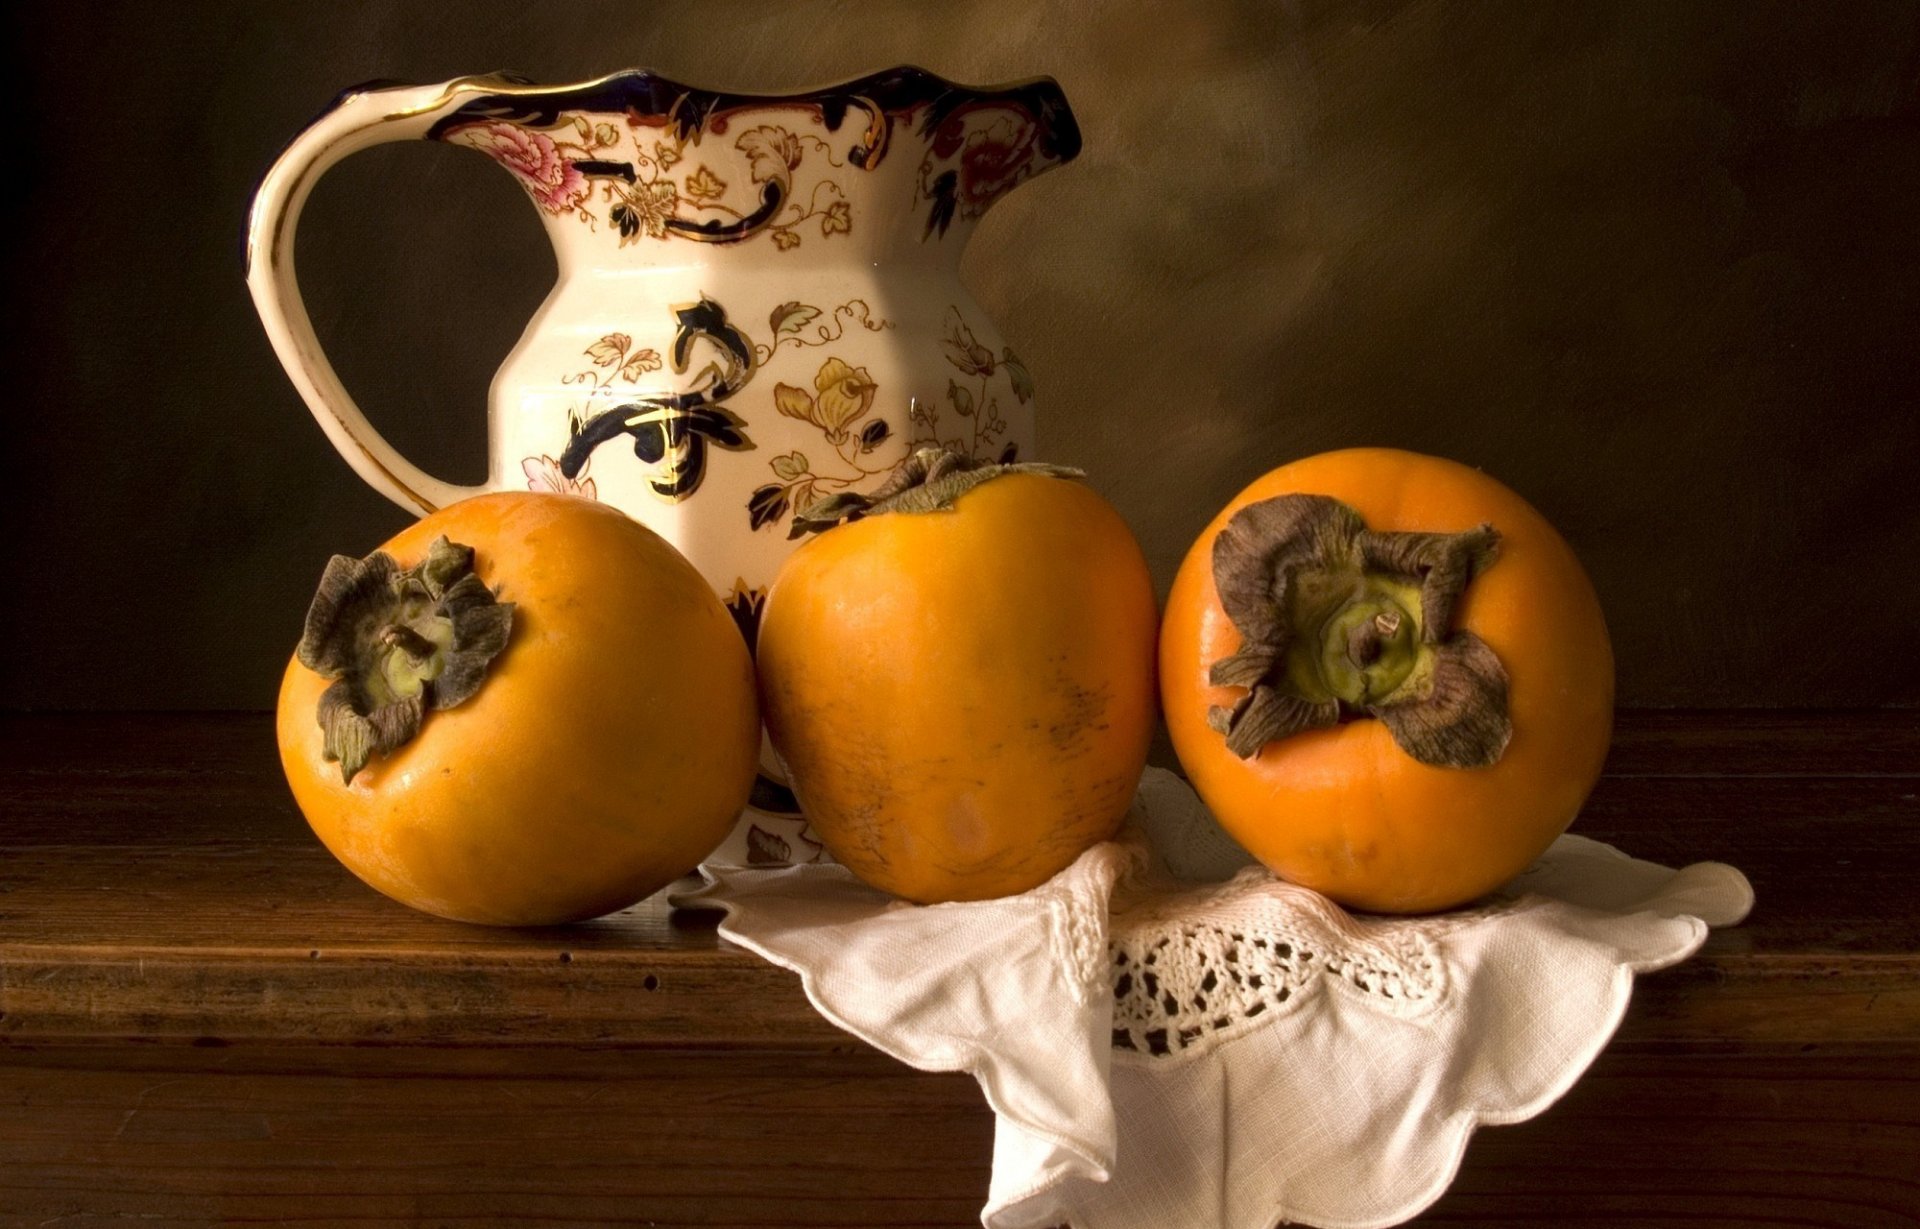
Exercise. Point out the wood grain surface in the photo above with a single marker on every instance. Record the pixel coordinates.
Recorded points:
(365, 1137)
(205, 1020)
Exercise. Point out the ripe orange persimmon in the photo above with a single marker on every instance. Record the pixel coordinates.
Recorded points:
(961, 684)
(550, 756)
(1388, 677)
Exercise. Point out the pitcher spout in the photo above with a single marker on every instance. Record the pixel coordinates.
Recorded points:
(983, 143)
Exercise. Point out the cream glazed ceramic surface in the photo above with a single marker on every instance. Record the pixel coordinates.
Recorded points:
(757, 306)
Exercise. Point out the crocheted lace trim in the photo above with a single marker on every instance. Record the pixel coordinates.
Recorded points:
(1198, 970)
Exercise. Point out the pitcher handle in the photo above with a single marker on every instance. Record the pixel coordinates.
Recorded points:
(359, 120)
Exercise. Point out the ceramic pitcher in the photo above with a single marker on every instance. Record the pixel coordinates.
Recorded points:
(758, 304)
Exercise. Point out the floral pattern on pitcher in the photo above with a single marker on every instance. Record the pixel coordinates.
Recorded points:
(633, 154)
(543, 474)
(673, 430)
(842, 396)
(974, 160)
(536, 160)
(618, 172)
(980, 430)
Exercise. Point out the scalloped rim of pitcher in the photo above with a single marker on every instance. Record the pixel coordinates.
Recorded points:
(901, 89)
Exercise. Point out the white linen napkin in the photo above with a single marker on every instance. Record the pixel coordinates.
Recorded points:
(1168, 1035)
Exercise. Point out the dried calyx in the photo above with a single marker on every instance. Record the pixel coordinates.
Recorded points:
(929, 480)
(397, 643)
(1341, 622)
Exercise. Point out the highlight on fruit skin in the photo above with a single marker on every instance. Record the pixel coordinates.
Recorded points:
(524, 709)
(1388, 677)
(960, 681)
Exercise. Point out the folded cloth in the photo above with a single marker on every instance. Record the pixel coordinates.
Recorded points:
(1236, 1051)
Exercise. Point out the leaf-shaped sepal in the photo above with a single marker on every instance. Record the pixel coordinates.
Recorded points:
(397, 644)
(1458, 717)
(1307, 568)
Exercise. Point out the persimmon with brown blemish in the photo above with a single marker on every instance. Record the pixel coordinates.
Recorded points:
(960, 680)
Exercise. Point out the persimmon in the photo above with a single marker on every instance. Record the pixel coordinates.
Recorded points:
(960, 682)
(524, 709)
(1388, 677)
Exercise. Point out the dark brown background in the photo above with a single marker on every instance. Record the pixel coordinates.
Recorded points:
(1655, 265)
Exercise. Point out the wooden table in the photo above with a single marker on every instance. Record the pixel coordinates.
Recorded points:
(203, 1019)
